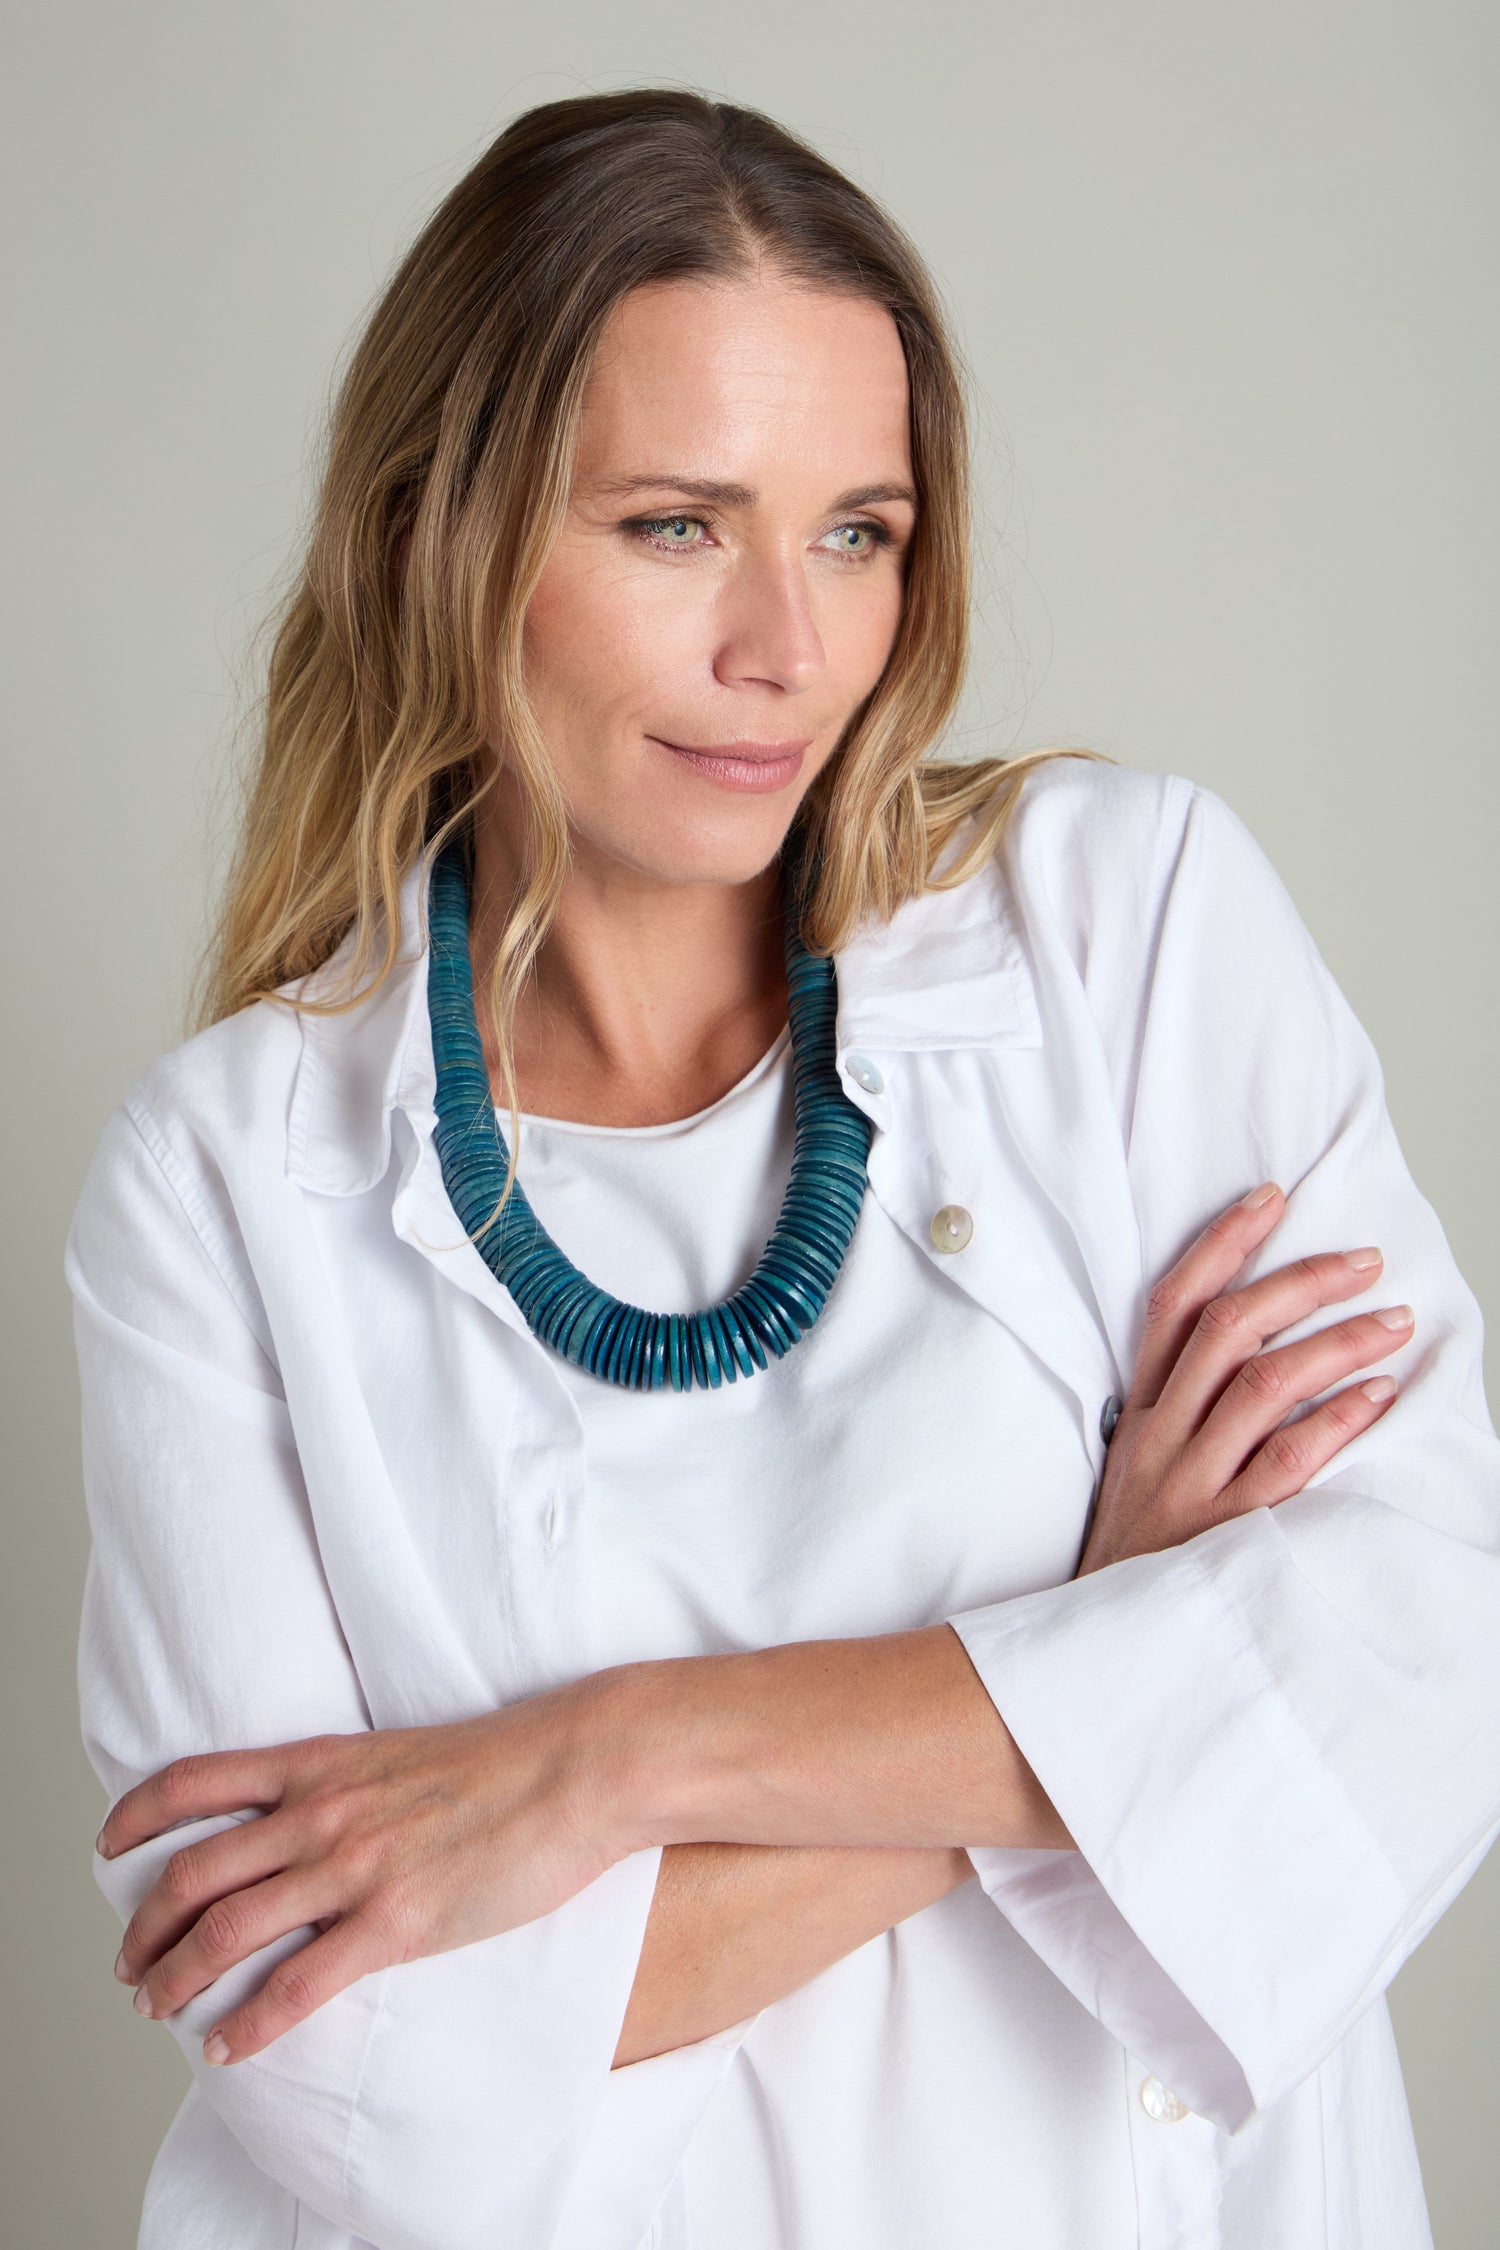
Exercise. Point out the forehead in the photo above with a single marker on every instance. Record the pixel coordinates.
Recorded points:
(697, 376)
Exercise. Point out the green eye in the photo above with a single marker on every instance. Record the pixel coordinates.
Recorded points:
(657, 525)
(670, 535)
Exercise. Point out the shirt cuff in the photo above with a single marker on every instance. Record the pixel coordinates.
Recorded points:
(1227, 1912)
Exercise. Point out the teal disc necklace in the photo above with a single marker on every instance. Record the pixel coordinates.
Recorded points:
(622, 1343)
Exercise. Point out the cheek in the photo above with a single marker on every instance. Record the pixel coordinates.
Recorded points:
(858, 637)
(598, 643)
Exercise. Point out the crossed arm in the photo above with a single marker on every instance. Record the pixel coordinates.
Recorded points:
(734, 1927)
(806, 1797)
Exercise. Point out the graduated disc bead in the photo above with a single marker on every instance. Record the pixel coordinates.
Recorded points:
(620, 1343)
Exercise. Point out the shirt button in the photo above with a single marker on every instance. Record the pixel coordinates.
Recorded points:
(1109, 1414)
(864, 1073)
(952, 1228)
(1160, 2103)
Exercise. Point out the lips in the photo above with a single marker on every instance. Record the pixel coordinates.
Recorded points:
(755, 766)
(753, 753)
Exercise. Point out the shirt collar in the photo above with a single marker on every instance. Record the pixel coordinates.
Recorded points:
(949, 969)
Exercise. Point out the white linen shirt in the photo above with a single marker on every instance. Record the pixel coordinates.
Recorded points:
(334, 1483)
(907, 1460)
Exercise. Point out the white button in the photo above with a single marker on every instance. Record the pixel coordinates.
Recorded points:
(952, 1228)
(1160, 2103)
(864, 1073)
(1109, 1414)
(552, 1519)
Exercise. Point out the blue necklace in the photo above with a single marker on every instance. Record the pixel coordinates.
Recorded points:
(621, 1343)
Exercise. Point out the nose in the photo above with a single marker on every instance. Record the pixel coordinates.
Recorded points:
(767, 628)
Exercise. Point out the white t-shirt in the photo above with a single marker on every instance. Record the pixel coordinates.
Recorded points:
(906, 1460)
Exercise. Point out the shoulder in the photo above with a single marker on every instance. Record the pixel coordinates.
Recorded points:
(1086, 829)
(196, 1138)
(222, 1095)
(1097, 855)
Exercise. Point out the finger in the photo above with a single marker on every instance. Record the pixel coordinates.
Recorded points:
(1206, 1267)
(230, 1930)
(1290, 1456)
(214, 1781)
(1231, 1329)
(1267, 1389)
(302, 1983)
(191, 1880)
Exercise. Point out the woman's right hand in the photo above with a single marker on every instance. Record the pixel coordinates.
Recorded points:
(1203, 1434)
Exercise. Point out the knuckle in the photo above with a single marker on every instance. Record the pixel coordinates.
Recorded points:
(1165, 1301)
(1222, 1317)
(1286, 1452)
(181, 1780)
(326, 1816)
(361, 1859)
(221, 1931)
(291, 1988)
(391, 1920)
(180, 1877)
(1264, 1379)
(320, 1815)
(1342, 1413)
(314, 1753)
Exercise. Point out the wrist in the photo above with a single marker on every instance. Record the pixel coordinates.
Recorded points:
(890, 1740)
(649, 1768)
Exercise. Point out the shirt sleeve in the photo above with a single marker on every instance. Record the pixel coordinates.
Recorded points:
(1277, 1744)
(439, 2104)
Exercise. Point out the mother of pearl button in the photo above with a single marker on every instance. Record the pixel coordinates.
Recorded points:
(1160, 2102)
(952, 1228)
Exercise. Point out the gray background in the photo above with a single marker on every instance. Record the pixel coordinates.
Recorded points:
(1227, 280)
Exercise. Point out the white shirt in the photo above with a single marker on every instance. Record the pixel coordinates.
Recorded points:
(334, 1482)
(907, 1459)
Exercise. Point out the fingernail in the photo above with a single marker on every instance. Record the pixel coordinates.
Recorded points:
(1379, 1388)
(1396, 1316)
(1258, 1197)
(101, 1847)
(142, 2002)
(120, 1969)
(1362, 1260)
(216, 2048)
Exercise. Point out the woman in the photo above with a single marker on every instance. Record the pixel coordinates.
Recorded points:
(550, 1745)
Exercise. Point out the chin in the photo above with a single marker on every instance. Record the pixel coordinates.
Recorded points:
(676, 848)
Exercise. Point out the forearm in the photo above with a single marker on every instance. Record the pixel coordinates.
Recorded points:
(807, 1798)
(887, 1740)
(734, 1927)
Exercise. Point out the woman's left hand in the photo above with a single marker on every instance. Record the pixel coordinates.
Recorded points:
(397, 1843)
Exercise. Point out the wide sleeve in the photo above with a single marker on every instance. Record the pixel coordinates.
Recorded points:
(440, 2104)
(1278, 1744)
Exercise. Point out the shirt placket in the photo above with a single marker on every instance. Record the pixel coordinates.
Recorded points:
(544, 1480)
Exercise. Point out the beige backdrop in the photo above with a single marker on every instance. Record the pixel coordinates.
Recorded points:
(1227, 279)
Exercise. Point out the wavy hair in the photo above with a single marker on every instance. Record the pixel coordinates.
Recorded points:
(394, 685)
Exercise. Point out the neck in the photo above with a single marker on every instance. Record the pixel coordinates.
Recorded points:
(648, 1000)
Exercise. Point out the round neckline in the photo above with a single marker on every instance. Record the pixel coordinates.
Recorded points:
(779, 1047)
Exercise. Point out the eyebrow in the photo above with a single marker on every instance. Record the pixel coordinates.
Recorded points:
(740, 495)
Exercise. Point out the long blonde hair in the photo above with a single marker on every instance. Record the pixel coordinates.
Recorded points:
(396, 660)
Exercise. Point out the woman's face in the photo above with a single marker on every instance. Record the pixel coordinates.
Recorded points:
(728, 577)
